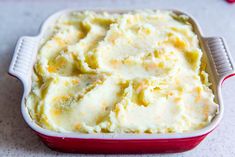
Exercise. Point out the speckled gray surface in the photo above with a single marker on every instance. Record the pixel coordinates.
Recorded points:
(18, 18)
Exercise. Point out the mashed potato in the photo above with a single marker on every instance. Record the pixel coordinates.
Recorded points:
(137, 72)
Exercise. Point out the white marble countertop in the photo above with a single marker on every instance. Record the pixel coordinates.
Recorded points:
(18, 18)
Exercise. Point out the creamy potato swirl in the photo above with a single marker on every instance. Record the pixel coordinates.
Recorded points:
(138, 72)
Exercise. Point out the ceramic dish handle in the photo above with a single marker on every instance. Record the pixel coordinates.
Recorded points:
(220, 57)
(22, 60)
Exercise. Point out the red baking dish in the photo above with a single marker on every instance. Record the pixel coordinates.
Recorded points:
(220, 67)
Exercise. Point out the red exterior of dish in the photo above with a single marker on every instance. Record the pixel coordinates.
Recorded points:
(114, 146)
(227, 77)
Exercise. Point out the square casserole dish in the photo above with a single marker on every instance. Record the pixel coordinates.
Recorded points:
(219, 67)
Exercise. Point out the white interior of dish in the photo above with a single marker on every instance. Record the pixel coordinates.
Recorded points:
(214, 79)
